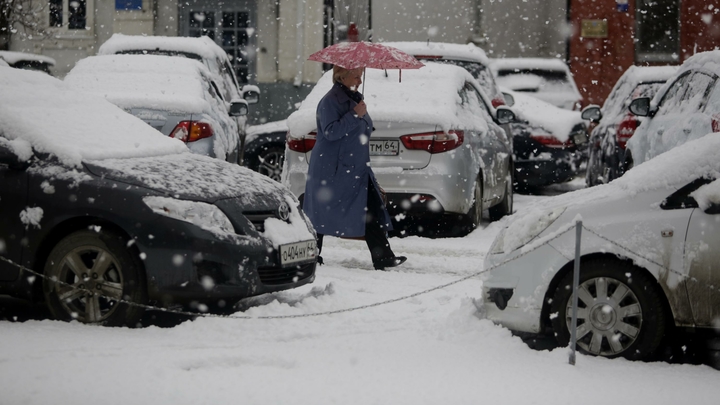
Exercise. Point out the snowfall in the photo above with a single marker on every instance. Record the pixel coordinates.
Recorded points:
(413, 335)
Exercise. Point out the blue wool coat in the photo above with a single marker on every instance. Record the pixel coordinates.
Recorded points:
(336, 192)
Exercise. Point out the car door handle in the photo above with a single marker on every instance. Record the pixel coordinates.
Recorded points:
(667, 233)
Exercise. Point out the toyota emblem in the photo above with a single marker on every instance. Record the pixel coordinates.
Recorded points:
(284, 212)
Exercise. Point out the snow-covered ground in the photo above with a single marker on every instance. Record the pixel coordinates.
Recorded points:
(433, 348)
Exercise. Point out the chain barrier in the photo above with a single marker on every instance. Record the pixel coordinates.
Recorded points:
(558, 234)
(337, 311)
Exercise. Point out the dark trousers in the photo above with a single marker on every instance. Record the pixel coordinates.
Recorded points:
(375, 235)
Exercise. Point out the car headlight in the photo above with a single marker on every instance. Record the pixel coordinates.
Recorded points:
(203, 215)
(524, 229)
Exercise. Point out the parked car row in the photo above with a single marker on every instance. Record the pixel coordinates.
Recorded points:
(648, 266)
(106, 207)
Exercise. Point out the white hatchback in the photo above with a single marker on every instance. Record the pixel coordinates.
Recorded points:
(438, 149)
(648, 260)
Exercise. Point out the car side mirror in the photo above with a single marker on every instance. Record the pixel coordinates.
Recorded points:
(509, 99)
(12, 160)
(251, 93)
(592, 113)
(505, 115)
(238, 108)
(640, 107)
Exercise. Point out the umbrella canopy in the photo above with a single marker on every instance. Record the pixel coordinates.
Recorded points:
(353, 55)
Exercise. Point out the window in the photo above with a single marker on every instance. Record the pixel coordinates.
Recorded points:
(128, 4)
(658, 29)
(202, 23)
(71, 14)
(713, 104)
(673, 96)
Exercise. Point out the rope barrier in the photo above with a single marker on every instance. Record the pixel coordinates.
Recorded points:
(558, 234)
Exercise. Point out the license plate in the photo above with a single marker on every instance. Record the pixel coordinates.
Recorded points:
(297, 252)
(384, 148)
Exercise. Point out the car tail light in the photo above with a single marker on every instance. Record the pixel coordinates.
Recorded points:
(716, 123)
(625, 130)
(304, 144)
(550, 141)
(497, 102)
(191, 131)
(434, 142)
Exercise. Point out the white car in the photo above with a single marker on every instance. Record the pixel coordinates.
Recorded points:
(685, 108)
(438, 149)
(548, 79)
(649, 258)
(176, 96)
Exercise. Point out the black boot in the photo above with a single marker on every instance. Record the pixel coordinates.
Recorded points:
(386, 262)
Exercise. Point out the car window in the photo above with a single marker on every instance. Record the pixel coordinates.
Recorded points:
(673, 96)
(231, 84)
(713, 103)
(474, 101)
(695, 96)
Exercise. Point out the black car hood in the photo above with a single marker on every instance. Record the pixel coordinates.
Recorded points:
(192, 177)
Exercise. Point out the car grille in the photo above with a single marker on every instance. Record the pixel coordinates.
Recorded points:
(287, 275)
(257, 218)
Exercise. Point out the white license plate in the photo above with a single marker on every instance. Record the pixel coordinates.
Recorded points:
(384, 148)
(297, 252)
(580, 139)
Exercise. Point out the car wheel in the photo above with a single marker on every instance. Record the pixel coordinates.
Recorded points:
(270, 162)
(620, 311)
(90, 267)
(505, 206)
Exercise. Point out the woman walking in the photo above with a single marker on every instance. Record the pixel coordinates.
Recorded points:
(342, 196)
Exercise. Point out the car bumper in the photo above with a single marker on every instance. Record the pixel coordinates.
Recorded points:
(526, 278)
(186, 265)
(543, 172)
(448, 183)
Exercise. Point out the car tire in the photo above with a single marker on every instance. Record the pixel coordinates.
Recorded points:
(629, 292)
(88, 262)
(269, 162)
(505, 207)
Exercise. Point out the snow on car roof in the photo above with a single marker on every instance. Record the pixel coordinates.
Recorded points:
(466, 52)
(528, 63)
(558, 121)
(429, 95)
(202, 46)
(43, 112)
(144, 81)
(15, 57)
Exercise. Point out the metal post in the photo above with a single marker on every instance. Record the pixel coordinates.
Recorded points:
(576, 282)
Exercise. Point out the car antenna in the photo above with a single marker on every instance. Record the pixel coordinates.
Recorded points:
(386, 75)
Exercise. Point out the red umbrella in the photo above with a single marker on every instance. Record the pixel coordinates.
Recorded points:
(353, 55)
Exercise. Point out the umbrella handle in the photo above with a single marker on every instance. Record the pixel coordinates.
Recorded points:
(363, 89)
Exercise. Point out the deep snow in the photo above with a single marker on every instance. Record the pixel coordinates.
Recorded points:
(434, 348)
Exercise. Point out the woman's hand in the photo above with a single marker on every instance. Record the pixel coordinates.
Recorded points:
(360, 109)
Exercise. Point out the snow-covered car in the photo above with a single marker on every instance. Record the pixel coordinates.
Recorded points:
(548, 79)
(685, 108)
(202, 49)
(615, 124)
(265, 148)
(467, 56)
(438, 149)
(178, 97)
(549, 143)
(96, 206)
(648, 258)
(29, 61)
